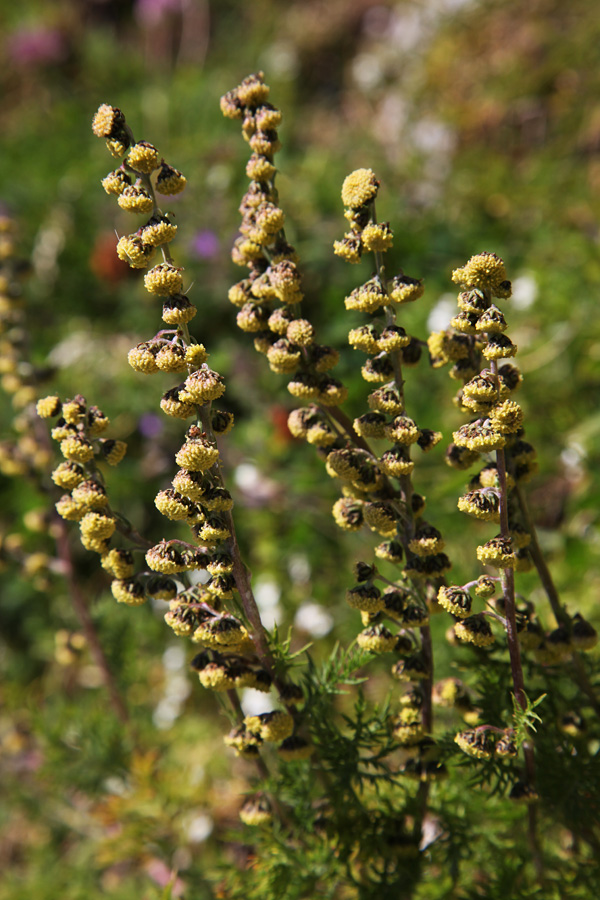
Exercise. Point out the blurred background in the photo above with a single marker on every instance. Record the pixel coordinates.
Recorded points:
(482, 121)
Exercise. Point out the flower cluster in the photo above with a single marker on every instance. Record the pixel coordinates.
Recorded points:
(268, 298)
(19, 377)
(234, 654)
(25, 454)
(477, 347)
(376, 487)
(473, 345)
(78, 429)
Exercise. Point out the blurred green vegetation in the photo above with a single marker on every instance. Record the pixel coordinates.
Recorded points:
(482, 120)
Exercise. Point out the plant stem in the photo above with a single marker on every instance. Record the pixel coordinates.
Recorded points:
(63, 550)
(560, 614)
(243, 584)
(340, 416)
(86, 622)
(240, 571)
(406, 488)
(508, 579)
(508, 585)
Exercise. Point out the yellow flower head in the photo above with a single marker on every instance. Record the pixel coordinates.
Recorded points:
(163, 279)
(165, 558)
(348, 513)
(108, 121)
(380, 517)
(300, 332)
(170, 180)
(77, 449)
(359, 188)
(259, 168)
(129, 591)
(119, 563)
(143, 157)
(386, 400)
(499, 346)
(135, 199)
(68, 475)
(475, 630)
(202, 386)
(406, 290)
(177, 310)
(377, 238)
(371, 424)
(97, 525)
(256, 812)
(365, 597)
(197, 455)
(171, 358)
(477, 744)
(295, 748)
(90, 495)
(396, 462)
(132, 250)
(393, 337)
(497, 552)
(113, 451)
(116, 182)
(402, 430)
(172, 505)
(159, 230)
(427, 541)
(271, 726)
(455, 600)
(48, 407)
(349, 248)
(484, 505)
(376, 639)
(364, 338)
(485, 271)
(507, 417)
(367, 298)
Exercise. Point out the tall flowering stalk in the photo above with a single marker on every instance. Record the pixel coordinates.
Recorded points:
(391, 507)
(219, 613)
(377, 485)
(478, 337)
(30, 455)
(377, 488)
(479, 348)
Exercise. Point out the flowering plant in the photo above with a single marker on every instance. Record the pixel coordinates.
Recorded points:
(353, 770)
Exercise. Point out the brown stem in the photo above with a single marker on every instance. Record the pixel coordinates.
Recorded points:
(427, 684)
(128, 531)
(63, 550)
(508, 580)
(346, 423)
(560, 614)
(241, 573)
(242, 580)
(406, 487)
(86, 622)
(508, 583)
